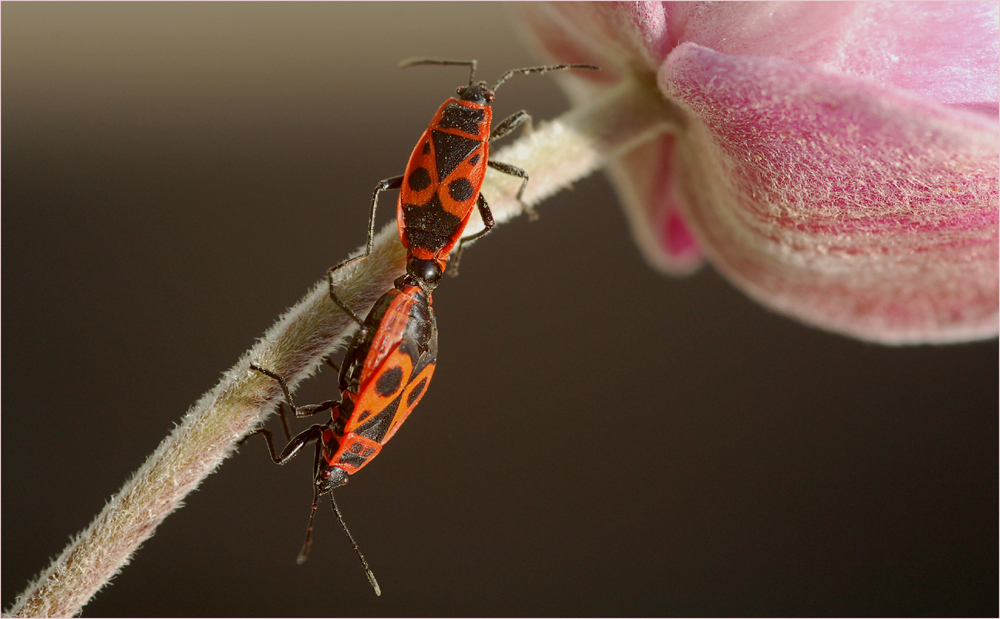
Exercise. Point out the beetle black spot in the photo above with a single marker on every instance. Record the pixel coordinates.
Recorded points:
(451, 150)
(427, 147)
(474, 160)
(426, 240)
(352, 460)
(377, 427)
(356, 448)
(430, 218)
(389, 381)
(364, 416)
(460, 189)
(416, 393)
(464, 118)
(419, 179)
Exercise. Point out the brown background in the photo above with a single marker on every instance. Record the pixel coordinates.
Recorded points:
(598, 440)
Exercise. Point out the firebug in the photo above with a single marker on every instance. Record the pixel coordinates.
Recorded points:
(441, 183)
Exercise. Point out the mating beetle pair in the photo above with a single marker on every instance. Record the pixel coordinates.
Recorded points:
(392, 357)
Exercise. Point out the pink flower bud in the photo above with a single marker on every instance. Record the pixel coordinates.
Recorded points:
(838, 162)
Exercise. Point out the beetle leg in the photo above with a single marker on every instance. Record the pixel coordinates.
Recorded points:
(390, 183)
(293, 447)
(506, 168)
(333, 295)
(300, 412)
(488, 223)
(510, 123)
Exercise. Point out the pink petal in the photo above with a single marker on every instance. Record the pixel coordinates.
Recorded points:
(851, 206)
(944, 51)
(646, 188)
(864, 210)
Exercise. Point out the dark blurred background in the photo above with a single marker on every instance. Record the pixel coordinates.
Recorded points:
(598, 440)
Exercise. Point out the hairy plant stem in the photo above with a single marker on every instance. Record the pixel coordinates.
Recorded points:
(555, 155)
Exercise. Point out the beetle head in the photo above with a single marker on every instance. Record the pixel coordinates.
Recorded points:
(330, 478)
(479, 94)
(424, 273)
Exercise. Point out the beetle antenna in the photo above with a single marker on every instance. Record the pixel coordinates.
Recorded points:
(506, 76)
(361, 557)
(412, 62)
(304, 553)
